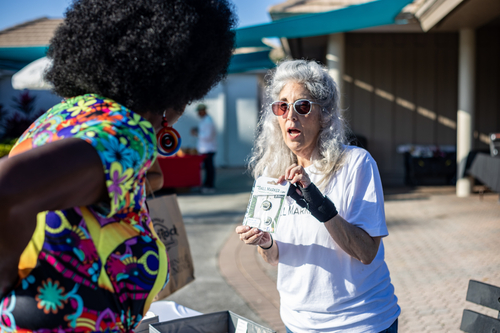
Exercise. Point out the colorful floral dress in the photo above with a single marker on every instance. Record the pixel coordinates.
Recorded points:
(94, 268)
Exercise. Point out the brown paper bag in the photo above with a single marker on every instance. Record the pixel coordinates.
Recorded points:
(169, 226)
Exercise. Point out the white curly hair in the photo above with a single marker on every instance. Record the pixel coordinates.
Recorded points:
(270, 154)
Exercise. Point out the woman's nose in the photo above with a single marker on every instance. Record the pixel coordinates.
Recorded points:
(289, 114)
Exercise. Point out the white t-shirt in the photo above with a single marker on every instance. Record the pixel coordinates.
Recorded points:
(322, 288)
(207, 142)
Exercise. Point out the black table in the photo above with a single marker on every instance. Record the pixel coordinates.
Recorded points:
(430, 170)
(487, 170)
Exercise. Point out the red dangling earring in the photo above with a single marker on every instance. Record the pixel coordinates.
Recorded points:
(169, 140)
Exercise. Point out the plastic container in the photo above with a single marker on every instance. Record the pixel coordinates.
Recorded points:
(217, 322)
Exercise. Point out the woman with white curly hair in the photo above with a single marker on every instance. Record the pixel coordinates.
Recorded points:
(332, 276)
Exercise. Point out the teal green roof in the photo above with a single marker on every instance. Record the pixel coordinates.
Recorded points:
(250, 61)
(17, 57)
(366, 15)
(370, 14)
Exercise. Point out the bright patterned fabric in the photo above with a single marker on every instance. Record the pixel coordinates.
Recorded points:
(93, 268)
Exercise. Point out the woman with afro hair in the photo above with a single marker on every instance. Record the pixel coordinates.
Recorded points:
(77, 247)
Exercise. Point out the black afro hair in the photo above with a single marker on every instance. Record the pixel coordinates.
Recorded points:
(148, 55)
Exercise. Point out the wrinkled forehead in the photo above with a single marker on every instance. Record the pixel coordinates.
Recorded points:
(294, 90)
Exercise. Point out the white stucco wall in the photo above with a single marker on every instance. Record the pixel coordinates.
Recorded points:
(241, 117)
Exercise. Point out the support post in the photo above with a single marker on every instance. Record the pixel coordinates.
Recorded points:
(335, 58)
(465, 114)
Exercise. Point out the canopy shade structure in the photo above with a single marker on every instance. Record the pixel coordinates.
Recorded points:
(31, 76)
(250, 61)
(17, 57)
(370, 14)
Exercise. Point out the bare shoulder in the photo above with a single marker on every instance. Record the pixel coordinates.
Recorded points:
(59, 170)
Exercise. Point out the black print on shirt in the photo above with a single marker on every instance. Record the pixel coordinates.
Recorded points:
(294, 210)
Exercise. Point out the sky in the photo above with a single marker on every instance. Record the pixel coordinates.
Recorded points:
(13, 12)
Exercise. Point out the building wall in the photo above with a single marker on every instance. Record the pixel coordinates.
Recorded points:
(242, 115)
(309, 48)
(487, 116)
(401, 89)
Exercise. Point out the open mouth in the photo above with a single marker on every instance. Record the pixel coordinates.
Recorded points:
(293, 132)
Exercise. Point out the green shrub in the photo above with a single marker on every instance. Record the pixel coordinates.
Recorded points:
(6, 146)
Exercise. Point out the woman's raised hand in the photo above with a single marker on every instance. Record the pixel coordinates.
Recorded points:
(296, 174)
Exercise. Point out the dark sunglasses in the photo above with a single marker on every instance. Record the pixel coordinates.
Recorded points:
(301, 106)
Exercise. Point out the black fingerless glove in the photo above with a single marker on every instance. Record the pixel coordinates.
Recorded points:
(320, 206)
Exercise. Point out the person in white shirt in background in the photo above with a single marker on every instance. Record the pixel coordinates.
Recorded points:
(207, 145)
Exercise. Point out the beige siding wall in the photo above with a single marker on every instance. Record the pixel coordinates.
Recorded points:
(401, 89)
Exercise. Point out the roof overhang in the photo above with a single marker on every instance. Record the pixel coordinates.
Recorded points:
(370, 14)
(453, 15)
(434, 11)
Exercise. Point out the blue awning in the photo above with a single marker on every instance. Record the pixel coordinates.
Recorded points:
(370, 14)
(17, 57)
(250, 61)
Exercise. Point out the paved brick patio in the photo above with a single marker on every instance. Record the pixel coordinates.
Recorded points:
(437, 243)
